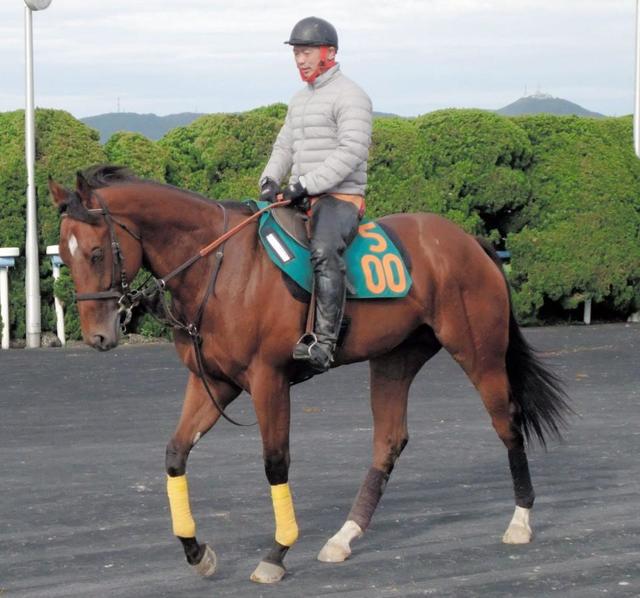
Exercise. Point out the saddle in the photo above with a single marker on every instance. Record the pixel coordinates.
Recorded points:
(375, 265)
(294, 223)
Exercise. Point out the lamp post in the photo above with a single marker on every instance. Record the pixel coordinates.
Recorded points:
(32, 282)
(636, 108)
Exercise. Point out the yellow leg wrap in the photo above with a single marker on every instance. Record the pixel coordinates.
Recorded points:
(178, 491)
(286, 526)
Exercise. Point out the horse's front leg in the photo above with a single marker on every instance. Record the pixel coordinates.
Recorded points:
(198, 416)
(271, 399)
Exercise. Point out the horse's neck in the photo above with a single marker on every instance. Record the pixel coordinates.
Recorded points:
(173, 225)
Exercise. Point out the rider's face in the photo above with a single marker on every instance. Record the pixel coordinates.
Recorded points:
(308, 58)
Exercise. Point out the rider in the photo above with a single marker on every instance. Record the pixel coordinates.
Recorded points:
(324, 146)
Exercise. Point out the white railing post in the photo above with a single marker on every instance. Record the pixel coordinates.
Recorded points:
(587, 311)
(56, 262)
(7, 255)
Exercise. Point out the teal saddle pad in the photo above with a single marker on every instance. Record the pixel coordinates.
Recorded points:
(375, 268)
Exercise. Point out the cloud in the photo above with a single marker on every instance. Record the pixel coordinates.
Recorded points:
(409, 54)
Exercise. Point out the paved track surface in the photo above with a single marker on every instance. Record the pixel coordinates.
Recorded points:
(83, 510)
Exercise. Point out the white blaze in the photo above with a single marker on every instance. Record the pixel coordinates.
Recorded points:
(73, 245)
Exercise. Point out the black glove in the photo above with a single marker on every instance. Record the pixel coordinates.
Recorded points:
(269, 190)
(296, 193)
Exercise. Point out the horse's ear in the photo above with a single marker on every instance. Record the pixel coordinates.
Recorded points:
(59, 194)
(82, 188)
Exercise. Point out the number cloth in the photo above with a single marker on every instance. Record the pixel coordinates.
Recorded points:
(375, 269)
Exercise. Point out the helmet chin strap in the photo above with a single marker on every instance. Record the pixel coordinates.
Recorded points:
(323, 67)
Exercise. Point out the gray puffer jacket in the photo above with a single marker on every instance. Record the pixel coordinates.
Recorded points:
(325, 137)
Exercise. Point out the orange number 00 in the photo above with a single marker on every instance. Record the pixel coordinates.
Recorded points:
(380, 274)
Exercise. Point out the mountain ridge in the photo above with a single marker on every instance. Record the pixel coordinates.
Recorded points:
(543, 103)
(155, 127)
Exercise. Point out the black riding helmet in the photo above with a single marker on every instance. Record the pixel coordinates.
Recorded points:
(313, 31)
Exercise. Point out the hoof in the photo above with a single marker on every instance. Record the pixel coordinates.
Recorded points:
(334, 552)
(207, 565)
(338, 547)
(517, 534)
(519, 530)
(268, 573)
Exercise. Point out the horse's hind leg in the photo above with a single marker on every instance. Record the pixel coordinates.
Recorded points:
(391, 377)
(198, 416)
(479, 345)
(494, 390)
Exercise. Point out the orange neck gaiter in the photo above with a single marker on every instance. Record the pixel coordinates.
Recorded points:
(323, 67)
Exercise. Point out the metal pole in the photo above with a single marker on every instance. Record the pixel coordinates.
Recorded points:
(32, 282)
(636, 110)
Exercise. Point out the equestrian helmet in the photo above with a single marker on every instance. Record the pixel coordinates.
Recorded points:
(313, 31)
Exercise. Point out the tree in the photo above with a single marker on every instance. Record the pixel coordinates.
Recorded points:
(63, 145)
(144, 157)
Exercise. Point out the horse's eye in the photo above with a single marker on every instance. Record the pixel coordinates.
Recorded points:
(96, 255)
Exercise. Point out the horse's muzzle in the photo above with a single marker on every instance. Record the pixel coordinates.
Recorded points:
(103, 343)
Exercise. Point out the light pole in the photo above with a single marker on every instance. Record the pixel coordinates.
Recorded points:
(636, 109)
(32, 279)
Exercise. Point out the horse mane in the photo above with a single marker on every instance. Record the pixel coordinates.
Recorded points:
(105, 175)
(108, 175)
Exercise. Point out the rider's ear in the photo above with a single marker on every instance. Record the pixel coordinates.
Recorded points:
(83, 189)
(59, 194)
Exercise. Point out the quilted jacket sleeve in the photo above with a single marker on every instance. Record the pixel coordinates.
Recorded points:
(279, 164)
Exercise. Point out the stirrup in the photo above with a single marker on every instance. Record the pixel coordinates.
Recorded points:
(314, 353)
(302, 350)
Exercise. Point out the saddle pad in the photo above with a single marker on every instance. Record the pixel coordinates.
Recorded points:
(375, 269)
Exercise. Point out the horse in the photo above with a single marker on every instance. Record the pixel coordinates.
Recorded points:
(248, 320)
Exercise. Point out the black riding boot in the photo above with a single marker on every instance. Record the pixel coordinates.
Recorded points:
(334, 224)
(318, 348)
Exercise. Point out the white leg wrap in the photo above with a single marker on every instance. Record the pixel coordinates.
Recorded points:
(337, 548)
(519, 530)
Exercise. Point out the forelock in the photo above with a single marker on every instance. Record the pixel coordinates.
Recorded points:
(75, 209)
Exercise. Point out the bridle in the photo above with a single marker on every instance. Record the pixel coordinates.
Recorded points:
(128, 298)
(115, 291)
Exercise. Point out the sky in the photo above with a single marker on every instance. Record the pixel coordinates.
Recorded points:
(411, 56)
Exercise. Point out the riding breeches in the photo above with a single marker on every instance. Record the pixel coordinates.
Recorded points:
(334, 224)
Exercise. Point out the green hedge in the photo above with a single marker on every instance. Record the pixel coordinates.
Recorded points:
(561, 193)
(63, 145)
(578, 236)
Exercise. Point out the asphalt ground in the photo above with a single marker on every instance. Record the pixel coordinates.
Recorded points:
(83, 510)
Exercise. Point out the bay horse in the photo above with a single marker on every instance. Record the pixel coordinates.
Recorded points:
(113, 223)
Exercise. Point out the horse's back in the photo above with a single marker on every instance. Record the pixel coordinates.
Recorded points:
(437, 243)
(447, 262)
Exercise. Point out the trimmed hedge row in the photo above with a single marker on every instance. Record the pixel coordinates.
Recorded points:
(561, 193)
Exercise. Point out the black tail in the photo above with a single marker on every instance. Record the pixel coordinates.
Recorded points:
(536, 390)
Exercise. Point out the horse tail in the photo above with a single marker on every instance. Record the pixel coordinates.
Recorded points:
(537, 391)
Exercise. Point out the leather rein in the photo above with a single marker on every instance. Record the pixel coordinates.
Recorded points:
(128, 299)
